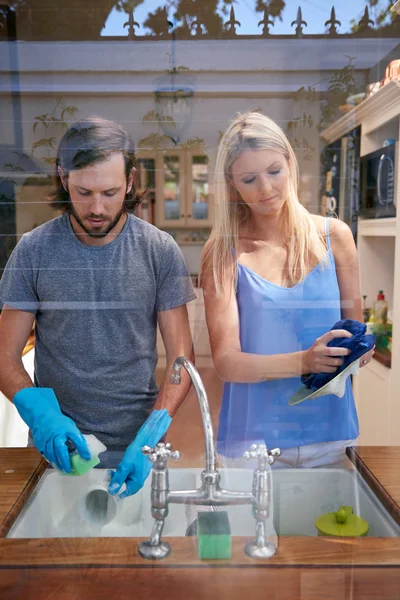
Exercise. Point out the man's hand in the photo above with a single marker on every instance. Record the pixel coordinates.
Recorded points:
(134, 467)
(51, 430)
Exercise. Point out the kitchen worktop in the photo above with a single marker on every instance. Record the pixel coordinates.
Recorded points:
(72, 568)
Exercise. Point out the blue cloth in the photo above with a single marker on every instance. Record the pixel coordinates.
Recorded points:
(135, 467)
(96, 319)
(359, 344)
(278, 320)
(50, 429)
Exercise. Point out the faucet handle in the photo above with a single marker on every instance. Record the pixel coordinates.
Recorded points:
(161, 452)
(262, 454)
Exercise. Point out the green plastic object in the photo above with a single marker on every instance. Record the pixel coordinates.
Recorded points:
(80, 466)
(213, 535)
(342, 523)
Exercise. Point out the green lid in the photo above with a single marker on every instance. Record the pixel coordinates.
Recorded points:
(342, 523)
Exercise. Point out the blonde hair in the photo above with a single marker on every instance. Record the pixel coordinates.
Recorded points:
(255, 131)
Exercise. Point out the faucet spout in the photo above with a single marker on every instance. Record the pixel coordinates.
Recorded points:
(180, 362)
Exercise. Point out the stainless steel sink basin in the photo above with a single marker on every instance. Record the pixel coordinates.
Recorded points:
(73, 507)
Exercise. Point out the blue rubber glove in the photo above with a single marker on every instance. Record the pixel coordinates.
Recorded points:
(135, 467)
(50, 429)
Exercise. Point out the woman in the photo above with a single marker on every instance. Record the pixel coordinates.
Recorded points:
(276, 279)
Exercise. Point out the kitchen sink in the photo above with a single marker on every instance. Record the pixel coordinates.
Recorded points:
(63, 506)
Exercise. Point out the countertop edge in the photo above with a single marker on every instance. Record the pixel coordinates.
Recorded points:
(374, 484)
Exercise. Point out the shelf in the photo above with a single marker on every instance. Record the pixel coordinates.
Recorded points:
(373, 112)
(377, 227)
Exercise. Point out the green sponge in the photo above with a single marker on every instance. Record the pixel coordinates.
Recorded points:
(80, 466)
(214, 535)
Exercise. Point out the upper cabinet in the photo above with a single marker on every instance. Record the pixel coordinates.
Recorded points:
(170, 188)
(199, 197)
(179, 183)
(378, 116)
(146, 182)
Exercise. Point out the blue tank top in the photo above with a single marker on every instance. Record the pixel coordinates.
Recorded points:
(279, 320)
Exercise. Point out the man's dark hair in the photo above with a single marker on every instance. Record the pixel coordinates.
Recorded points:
(86, 142)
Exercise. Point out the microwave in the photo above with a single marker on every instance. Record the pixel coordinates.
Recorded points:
(377, 180)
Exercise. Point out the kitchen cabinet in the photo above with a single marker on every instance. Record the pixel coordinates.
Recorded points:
(372, 394)
(178, 184)
(146, 182)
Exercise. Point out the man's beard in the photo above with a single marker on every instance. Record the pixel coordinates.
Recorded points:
(97, 234)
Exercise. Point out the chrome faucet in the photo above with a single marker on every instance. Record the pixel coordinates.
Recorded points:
(180, 362)
(210, 492)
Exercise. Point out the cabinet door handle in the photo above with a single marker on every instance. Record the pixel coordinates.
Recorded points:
(189, 215)
(182, 216)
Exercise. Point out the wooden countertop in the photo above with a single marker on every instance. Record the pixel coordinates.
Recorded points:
(81, 568)
(20, 471)
(379, 466)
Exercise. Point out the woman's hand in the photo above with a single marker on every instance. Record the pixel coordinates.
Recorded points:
(321, 358)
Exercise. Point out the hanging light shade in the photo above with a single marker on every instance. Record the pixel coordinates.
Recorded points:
(174, 107)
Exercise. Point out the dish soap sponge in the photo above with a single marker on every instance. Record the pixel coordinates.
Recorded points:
(214, 535)
(80, 466)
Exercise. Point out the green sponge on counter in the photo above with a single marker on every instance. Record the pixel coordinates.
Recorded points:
(214, 535)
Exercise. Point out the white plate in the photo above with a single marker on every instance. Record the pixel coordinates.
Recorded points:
(336, 386)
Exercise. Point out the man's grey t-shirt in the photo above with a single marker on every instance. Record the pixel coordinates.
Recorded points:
(96, 318)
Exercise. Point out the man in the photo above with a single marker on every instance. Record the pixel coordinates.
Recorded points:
(95, 281)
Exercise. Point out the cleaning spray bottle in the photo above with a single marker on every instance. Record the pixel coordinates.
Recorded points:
(380, 313)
